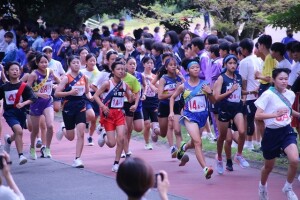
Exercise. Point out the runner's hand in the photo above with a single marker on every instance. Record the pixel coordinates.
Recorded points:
(74, 92)
(20, 105)
(206, 89)
(133, 108)
(171, 116)
(105, 110)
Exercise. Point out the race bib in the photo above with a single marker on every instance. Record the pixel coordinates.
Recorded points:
(80, 88)
(46, 88)
(197, 104)
(149, 92)
(235, 97)
(117, 102)
(170, 87)
(10, 97)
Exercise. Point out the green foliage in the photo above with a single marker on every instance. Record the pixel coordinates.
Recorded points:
(289, 19)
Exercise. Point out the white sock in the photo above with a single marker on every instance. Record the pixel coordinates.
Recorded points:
(262, 186)
(288, 185)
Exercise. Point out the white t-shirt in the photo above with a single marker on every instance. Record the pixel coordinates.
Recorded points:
(8, 194)
(91, 75)
(103, 76)
(3, 44)
(57, 68)
(270, 103)
(284, 64)
(294, 73)
(247, 68)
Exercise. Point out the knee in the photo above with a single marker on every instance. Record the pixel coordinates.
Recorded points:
(228, 142)
(147, 125)
(294, 162)
(267, 168)
(197, 143)
(50, 128)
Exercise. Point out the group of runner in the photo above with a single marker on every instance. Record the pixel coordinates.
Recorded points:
(153, 87)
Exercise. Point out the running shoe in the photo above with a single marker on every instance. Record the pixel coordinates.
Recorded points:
(115, 168)
(208, 171)
(123, 155)
(101, 132)
(173, 152)
(43, 152)
(263, 193)
(180, 152)
(241, 161)
(219, 165)
(38, 143)
(184, 159)
(22, 160)
(289, 193)
(60, 132)
(6, 145)
(77, 163)
(33, 154)
(148, 146)
(47, 153)
(90, 141)
(154, 137)
(229, 165)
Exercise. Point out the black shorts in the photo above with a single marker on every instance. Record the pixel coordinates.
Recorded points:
(251, 110)
(275, 140)
(72, 120)
(136, 115)
(214, 108)
(150, 113)
(164, 109)
(232, 126)
(229, 110)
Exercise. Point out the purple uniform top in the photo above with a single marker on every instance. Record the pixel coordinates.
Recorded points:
(216, 68)
(204, 61)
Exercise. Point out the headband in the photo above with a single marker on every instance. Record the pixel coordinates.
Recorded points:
(192, 63)
(227, 58)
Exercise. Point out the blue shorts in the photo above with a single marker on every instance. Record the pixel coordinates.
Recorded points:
(15, 116)
(92, 105)
(199, 118)
(275, 140)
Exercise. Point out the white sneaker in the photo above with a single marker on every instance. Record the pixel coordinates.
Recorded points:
(204, 135)
(22, 160)
(60, 132)
(115, 168)
(77, 163)
(289, 193)
(33, 155)
(241, 161)
(123, 155)
(148, 146)
(263, 193)
(101, 132)
(6, 145)
(219, 165)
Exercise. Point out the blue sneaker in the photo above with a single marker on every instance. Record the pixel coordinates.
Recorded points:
(241, 161)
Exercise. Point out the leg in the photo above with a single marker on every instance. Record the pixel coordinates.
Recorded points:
(177, 130)
(228, 142)
(266, 170)
(120, 141)
(56, 105)
(170, 132)
(35, 122)
(128, 130)
(49, 118)
(146, 131)
(239, 122)
(223, 126)
(18, 137)
(163, 124)
(293, 156)
(43, 130)
(80, 139)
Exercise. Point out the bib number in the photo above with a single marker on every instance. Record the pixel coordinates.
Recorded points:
(46, 89)
(197, 104)
(80, 89)
(117, 102)
(10, 97)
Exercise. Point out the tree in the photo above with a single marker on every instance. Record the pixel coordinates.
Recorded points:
(289, 19)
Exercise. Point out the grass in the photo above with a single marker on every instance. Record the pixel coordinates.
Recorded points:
(210, 149)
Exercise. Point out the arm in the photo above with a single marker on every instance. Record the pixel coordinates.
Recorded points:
(3, 77)
(97, 94)
(8, 177)
(59, 89)
(217, 88)
(260, 115)
(177, 92)
(295, 114)
(87, 89)
(162, 96)
(209, 93)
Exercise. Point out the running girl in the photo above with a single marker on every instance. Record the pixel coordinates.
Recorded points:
(228, 90)
(133, 111)
(112, 117)
(17, 95)
(72, 88)
(41, 80)
(150, 103)
(195, 113)
(274, 106)
(92, 109)
(168, 82)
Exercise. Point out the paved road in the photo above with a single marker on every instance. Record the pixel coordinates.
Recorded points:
(56, 179)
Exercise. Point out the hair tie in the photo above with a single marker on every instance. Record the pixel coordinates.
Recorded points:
(227, 58)
(192, 63)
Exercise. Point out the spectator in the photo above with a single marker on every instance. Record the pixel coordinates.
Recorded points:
(135, 177)
(10, 192)
(197, 30)
(277, 52)
(157, 36)
(54, 42)
(11, 49)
